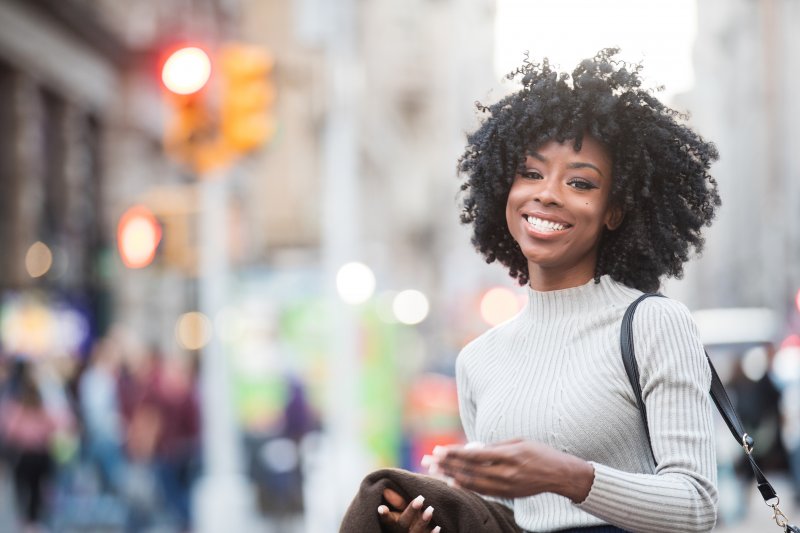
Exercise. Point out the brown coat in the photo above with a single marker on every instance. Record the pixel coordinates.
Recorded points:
(454, 509)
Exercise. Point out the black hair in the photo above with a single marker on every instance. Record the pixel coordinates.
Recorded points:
(661, 179)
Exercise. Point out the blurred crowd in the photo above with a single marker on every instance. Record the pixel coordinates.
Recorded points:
(112, 441)
(764, 385)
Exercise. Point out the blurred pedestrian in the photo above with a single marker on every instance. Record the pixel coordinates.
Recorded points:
(102, 417)
(28, 429)
(177, 444)
(588, 190)
(142, 425)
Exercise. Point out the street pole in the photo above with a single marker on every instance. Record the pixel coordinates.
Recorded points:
(341, 462)
(224, 500)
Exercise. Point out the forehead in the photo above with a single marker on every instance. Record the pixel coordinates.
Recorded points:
(591, 150)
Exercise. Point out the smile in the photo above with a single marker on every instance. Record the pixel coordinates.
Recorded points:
(545, 226)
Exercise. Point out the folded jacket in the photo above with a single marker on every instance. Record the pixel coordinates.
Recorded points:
(455, 510)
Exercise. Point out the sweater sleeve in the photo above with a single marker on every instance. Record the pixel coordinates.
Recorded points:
(681, 495)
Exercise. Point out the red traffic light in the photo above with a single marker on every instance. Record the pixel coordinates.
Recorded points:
(186, 71)
(138, 235)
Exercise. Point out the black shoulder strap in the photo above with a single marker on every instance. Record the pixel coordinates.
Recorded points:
(718, 394)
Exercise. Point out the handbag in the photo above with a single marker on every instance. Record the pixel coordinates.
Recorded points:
(721, 400)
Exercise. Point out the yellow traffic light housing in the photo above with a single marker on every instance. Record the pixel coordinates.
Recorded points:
(248, 96)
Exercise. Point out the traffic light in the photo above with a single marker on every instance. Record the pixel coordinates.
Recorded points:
(248, 96)
(190, 126)
(138, 236)
(221, 104)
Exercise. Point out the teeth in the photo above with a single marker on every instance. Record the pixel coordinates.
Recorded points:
(545, 225)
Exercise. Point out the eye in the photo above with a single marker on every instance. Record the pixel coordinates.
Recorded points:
(582, 184)
(530, 174)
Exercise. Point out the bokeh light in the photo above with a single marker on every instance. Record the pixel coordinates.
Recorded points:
(38, 259)
(755, 363)
(138, 236)
(498, 305)
(786, 365)
(410, 306)
(186, 71)
(355, 283)
(193, 330)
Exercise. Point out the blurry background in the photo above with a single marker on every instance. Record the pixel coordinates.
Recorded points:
(232, 280)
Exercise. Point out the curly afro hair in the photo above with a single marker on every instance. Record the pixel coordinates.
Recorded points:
(661, 177)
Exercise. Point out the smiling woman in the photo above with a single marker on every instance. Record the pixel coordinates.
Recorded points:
(588, 190)
(557, 208)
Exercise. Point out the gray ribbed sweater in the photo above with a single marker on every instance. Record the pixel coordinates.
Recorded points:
(554, 374)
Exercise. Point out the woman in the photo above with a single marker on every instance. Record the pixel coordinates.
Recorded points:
(28, 428)
(588, 190)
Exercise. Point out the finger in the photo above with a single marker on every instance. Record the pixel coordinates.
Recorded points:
(478, 476)
(489, 485)
(453, 465)
(387, 517)
(412, 512)
(432, 464)
(428, 460)
(394, 499)
(492, 454)
(503, 443)
(422, 523)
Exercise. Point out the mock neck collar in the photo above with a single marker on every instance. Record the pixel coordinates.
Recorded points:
(581, 298)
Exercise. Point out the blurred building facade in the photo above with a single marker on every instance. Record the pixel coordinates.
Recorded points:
(82, 126)
(56, 112)
(415, 87)
(746, 68)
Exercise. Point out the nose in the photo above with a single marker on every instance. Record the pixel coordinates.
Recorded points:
(548, 193)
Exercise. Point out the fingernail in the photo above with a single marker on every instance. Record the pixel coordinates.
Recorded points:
(437, 529)
(428, 513)
(417, 503)
(382, 509)
(427, 460)
(434, 469)
(439, 451)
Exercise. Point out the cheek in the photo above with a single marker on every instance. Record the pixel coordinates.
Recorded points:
(511, 202)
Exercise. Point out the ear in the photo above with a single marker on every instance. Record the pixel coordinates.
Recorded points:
(614, 217)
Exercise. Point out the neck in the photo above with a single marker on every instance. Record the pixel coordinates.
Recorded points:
(543, 279)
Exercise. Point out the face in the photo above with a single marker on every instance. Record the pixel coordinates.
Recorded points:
(557, 208)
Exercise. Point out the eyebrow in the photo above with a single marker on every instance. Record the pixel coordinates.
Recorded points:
(543, 159)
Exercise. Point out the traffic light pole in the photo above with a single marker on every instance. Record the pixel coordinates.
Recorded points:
(224, 500)
(343, 458)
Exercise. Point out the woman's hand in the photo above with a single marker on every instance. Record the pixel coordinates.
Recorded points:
(400, 516)
(514, 469)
